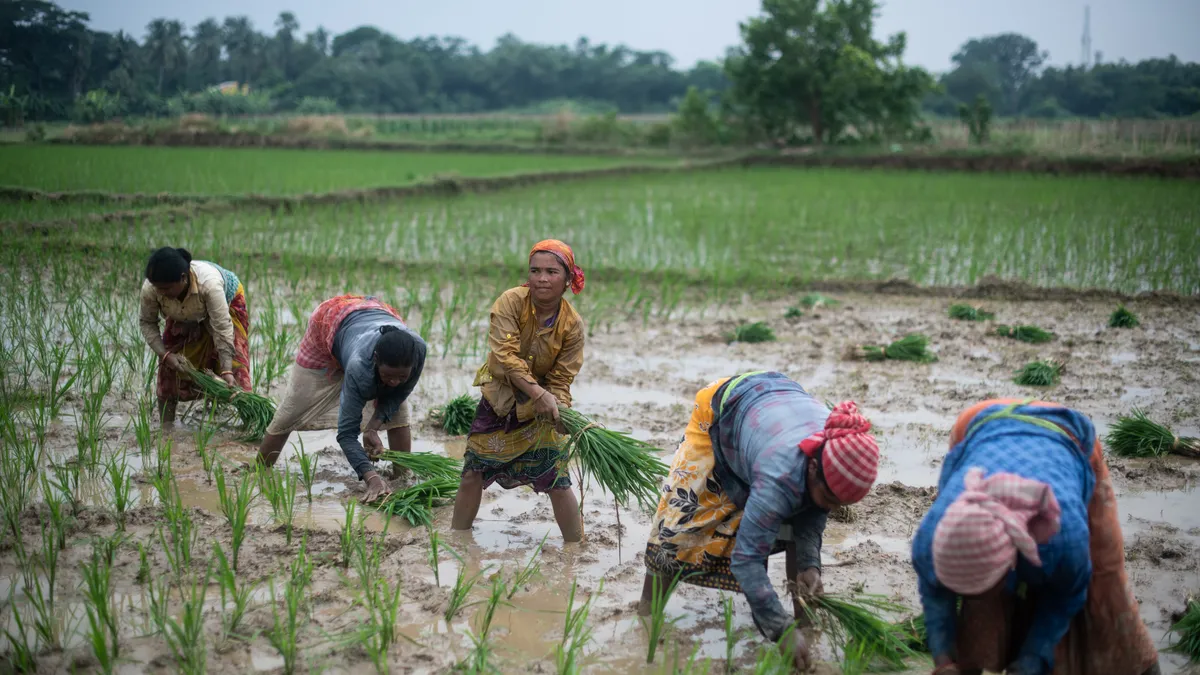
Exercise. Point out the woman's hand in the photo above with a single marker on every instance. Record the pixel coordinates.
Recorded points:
(377, 488)
(801, 660)
(372, 444)
(228, 377)
(808, 582)
(545, 405)
(175, 361)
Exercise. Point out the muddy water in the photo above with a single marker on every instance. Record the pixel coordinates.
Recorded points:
(643, 380)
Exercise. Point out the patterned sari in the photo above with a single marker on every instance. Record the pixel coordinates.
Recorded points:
(195, 343)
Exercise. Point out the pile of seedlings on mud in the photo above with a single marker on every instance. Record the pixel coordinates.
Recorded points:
(1187, 632)
(1030, 334)
(752, 333)
(1123, 318)
(853, 621)
(456, 416)
(439, 483)
(1044, 373)
(1136, 435)
(912, 347)
(969, 313)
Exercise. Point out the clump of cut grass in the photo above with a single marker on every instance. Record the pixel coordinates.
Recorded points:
(852, 621)
(253, 410)
(1042, 373)
(911, 347)
(1187, 632)
(425, 465)
(752, 333)
(456, 416)
(1136, 435)
(623, 465)
(815, 300)
(1030, 334)
(1123, 318)
(415, 504)
(969, 313)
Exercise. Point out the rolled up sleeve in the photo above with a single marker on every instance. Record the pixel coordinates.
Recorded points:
(220, 325)
(504, 341)
(148, 321)
(566, 366)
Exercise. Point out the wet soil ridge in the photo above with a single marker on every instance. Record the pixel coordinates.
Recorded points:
(1183, 168)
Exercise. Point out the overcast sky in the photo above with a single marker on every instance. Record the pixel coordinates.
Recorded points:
(691, 30)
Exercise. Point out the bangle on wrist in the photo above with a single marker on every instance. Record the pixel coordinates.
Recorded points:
(226, 372)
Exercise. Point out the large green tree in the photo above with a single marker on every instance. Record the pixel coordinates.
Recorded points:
(167, 52)
(815, 63)
(1001, 67)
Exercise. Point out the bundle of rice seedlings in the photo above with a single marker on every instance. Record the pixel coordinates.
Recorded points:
(1030, 334)
(912, 347)
(815, 300)
(1138, 436)
(425, 465)
(1039, 373)
(1187, 630)
(415, 504)
(852, 620)
(752, 333)
(253, 410)
(1123, 318)
(912, 631)
(969, 313)
(793, 313)
(456, 416)
(623, 465)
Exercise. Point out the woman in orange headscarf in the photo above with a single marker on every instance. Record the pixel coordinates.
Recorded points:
(535, 341)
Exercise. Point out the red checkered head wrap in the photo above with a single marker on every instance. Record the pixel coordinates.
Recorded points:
(566, 256)
(995, 518)
(849, 454)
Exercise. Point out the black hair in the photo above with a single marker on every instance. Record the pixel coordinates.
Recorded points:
(395, 348)
(167, 265)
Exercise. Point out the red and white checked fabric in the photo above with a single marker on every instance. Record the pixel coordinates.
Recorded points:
(316, 347)
(849, 453)
(995, 518)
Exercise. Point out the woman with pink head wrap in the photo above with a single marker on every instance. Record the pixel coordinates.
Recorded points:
(1024, 534)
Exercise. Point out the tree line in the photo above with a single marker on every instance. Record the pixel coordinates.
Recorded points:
(809, 63)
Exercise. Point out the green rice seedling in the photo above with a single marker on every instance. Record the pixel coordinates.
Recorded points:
(279, 487)
(752, 333)
(969, 313)
(1136, 435)
(1042, 373)
(435, 540)
(235, 504)
(1123, 318)
(494, 600)
(479, 659)
(143, 572)
(568, 653)
(690, 667)
(1030, 334)
(178, 538)
(143, 428)
(284, 633)
(624, 466)
(185, 637)
(911, 347)
(162, 459)
(815, 300)
(1187, 632)
(254, 410)
(21, 654)
(426, 465)
(658, 625)
(852, 621)
(529, 570)
(731, 635)
(158, 594)
(52, 498)
(51, 364)
(772, 660)
(204, 433)
(235, 599)
(103, 627)
(458, 414)
(415, 504)
(308, 470)
(463, 585)
(912, 631)
(302, 566)
(349, 535)
(122, 485)
(793, 313)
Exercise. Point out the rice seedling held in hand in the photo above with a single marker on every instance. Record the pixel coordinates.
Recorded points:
(1030, 334)
(852, 621)
(568, 654)
(1123, 318)
(415, 504)
(657, 624)
(529, 570)
(912, 631)
(912, 347)
(1136, 435)
(253, 410)
(1187, 632)
(752, 333)
(969, 313)
(425, 465)
(623, 466)
(235, 504)
(457, 415)
(1043, 373)
(815, 300)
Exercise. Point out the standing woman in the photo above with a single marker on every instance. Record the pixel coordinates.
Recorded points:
(535, 340)
(207, 324)
(1025, 535)
(759, 452)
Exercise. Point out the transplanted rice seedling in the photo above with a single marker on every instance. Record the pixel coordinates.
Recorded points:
(529, 570)
(204, 433)
(235, 504)
(349, 535)
(672, 666)
(912, 347)
(657, 625)
(853, 622)
(382, 602)
(103, 626)
(1123, 318)
(568, 654)
(1187, 632)
(235, 599)
(969, 313)
(122, 485)
(308, 470)
(457, 415)
(815, 300)
(793, 313)
(254, 410)
(463, 585)
(752, 333)
(623, 465)
(284, 633)
(731, 635)
(425, 465)
(20, 657)
(479, 659)
(1136, 435)
(1030, 334)
(1043, 373)
(776, 659)
(279, 487)
(415, 504)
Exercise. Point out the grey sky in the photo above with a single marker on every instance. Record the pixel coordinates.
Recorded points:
(691, 30)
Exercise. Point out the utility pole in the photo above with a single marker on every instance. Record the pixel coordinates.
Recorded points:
(1085, 44)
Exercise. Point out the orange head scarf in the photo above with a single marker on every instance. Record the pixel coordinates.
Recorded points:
(566, 256)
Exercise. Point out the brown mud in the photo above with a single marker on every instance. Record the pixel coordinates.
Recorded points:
(643, 379)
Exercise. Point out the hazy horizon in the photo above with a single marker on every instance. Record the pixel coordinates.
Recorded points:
(703, 29)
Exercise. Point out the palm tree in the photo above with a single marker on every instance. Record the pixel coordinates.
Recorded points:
(285, 39)
(240, 42)
(206, 53)
(167, 48)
